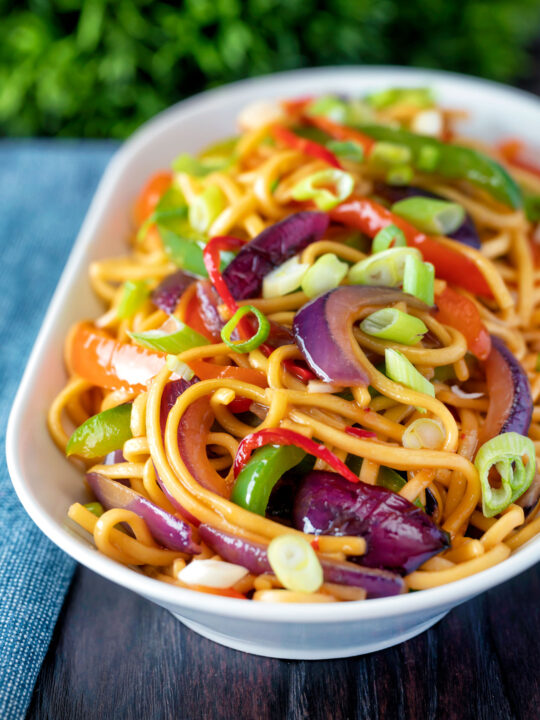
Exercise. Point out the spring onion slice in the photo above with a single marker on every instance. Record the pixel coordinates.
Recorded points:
(212, 573)
(424, 433)
(95, 508)
(179, 368)
(205, 208)
(330, 106)
(393, 324)
(419, 279)
(134, 295)
(295, 563)
(401, 370)
(400, 175)
(506, 453)
(421, 97)
(384, 268)
(430, 215)
(261, 335)
(172, 337)
(389, 237)
(325, 274)
(387, 154)
(284, 279)
(346, 149)
(315, 187)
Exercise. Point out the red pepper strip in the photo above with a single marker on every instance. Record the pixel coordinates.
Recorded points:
(302, 374)
(511, 150)
(295, 106)
(307, 147)
(279, 436)
(461, 313)
(360, 432)
(211, 257)
(368, 216)
(239, 405)
(150, 195)
(340, 132)
(224, 592)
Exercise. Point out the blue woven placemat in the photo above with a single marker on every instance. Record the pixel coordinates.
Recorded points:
(45, 189)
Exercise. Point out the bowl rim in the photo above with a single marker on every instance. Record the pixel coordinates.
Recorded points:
(161, 593)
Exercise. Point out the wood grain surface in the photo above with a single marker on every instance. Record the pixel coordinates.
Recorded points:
(116, 655)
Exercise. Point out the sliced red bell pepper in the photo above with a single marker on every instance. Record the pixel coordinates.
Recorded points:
(360, 432)
(211, 256)
(280, 436)
(295, 106)
(340, 132)
(512, 151)
(97, 357)
(461, 313)
(150, 195)
(369, 217)
(301, 373)
(307, 147)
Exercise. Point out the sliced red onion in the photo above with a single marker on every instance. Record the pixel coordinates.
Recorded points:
(253, 556)
(321, 330)
(466, 232)
(209, 301)
(166, 529)
(171, 393)
(275, 245)
(170, 289)
(510, 400)
(114, 457)
(399, 535)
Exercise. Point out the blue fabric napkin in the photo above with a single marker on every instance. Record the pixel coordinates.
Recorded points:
(45, 189)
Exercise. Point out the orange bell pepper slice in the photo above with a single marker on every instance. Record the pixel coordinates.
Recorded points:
(461, 313)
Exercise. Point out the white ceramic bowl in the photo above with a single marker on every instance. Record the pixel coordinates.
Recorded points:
(46, 484)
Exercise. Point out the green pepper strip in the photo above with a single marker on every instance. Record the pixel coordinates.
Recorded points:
(101, 433)
(245, 346)
(453, 162)
(257, 479)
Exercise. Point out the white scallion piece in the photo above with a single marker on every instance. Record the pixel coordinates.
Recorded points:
(212, 573)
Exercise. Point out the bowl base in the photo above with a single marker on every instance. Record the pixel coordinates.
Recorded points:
(267, 649)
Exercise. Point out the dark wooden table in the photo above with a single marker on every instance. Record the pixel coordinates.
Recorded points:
(117, 656)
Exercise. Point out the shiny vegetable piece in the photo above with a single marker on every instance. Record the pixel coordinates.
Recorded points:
(315, 187)
(510, 400)
(173, 336)
(295, 564)
(455, 163)
(101, 433)
(166, 529)
(326, 273)
(95, 356)
(276, 244)
(302, 145)
(385, 268)
(439, 217)
(399, 536)
(284, 279)
(95, 508)
(466, 233)
(205, 208)
(134, 295)
(258, 477)
(419, 279)
(170, 290)
(393, 324)
(388, 238)
(369, 216)
(401, 370)
(259, 337)
(253, 556)
(322, 330)
(461, 313)
(506, 453)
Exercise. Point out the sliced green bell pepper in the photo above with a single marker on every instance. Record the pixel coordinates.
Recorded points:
(257, 479)
(101, 433)
(452, 162)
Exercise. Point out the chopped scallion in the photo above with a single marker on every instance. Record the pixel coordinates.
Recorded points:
(506, 453)
(284, 279)
(389, 237)
(172, 337)
(295, 563)
(325, 274)
(419, 279)
(348, 150)
(431, 215)
(95, 508)
(245, 346)
(401, 370)
(395, 325)
(315, 187)
(205, 208)
(384, 268)
(424, 433)
(134, 295)
(385, 154)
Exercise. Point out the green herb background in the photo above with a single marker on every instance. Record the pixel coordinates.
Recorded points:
(99, 68)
